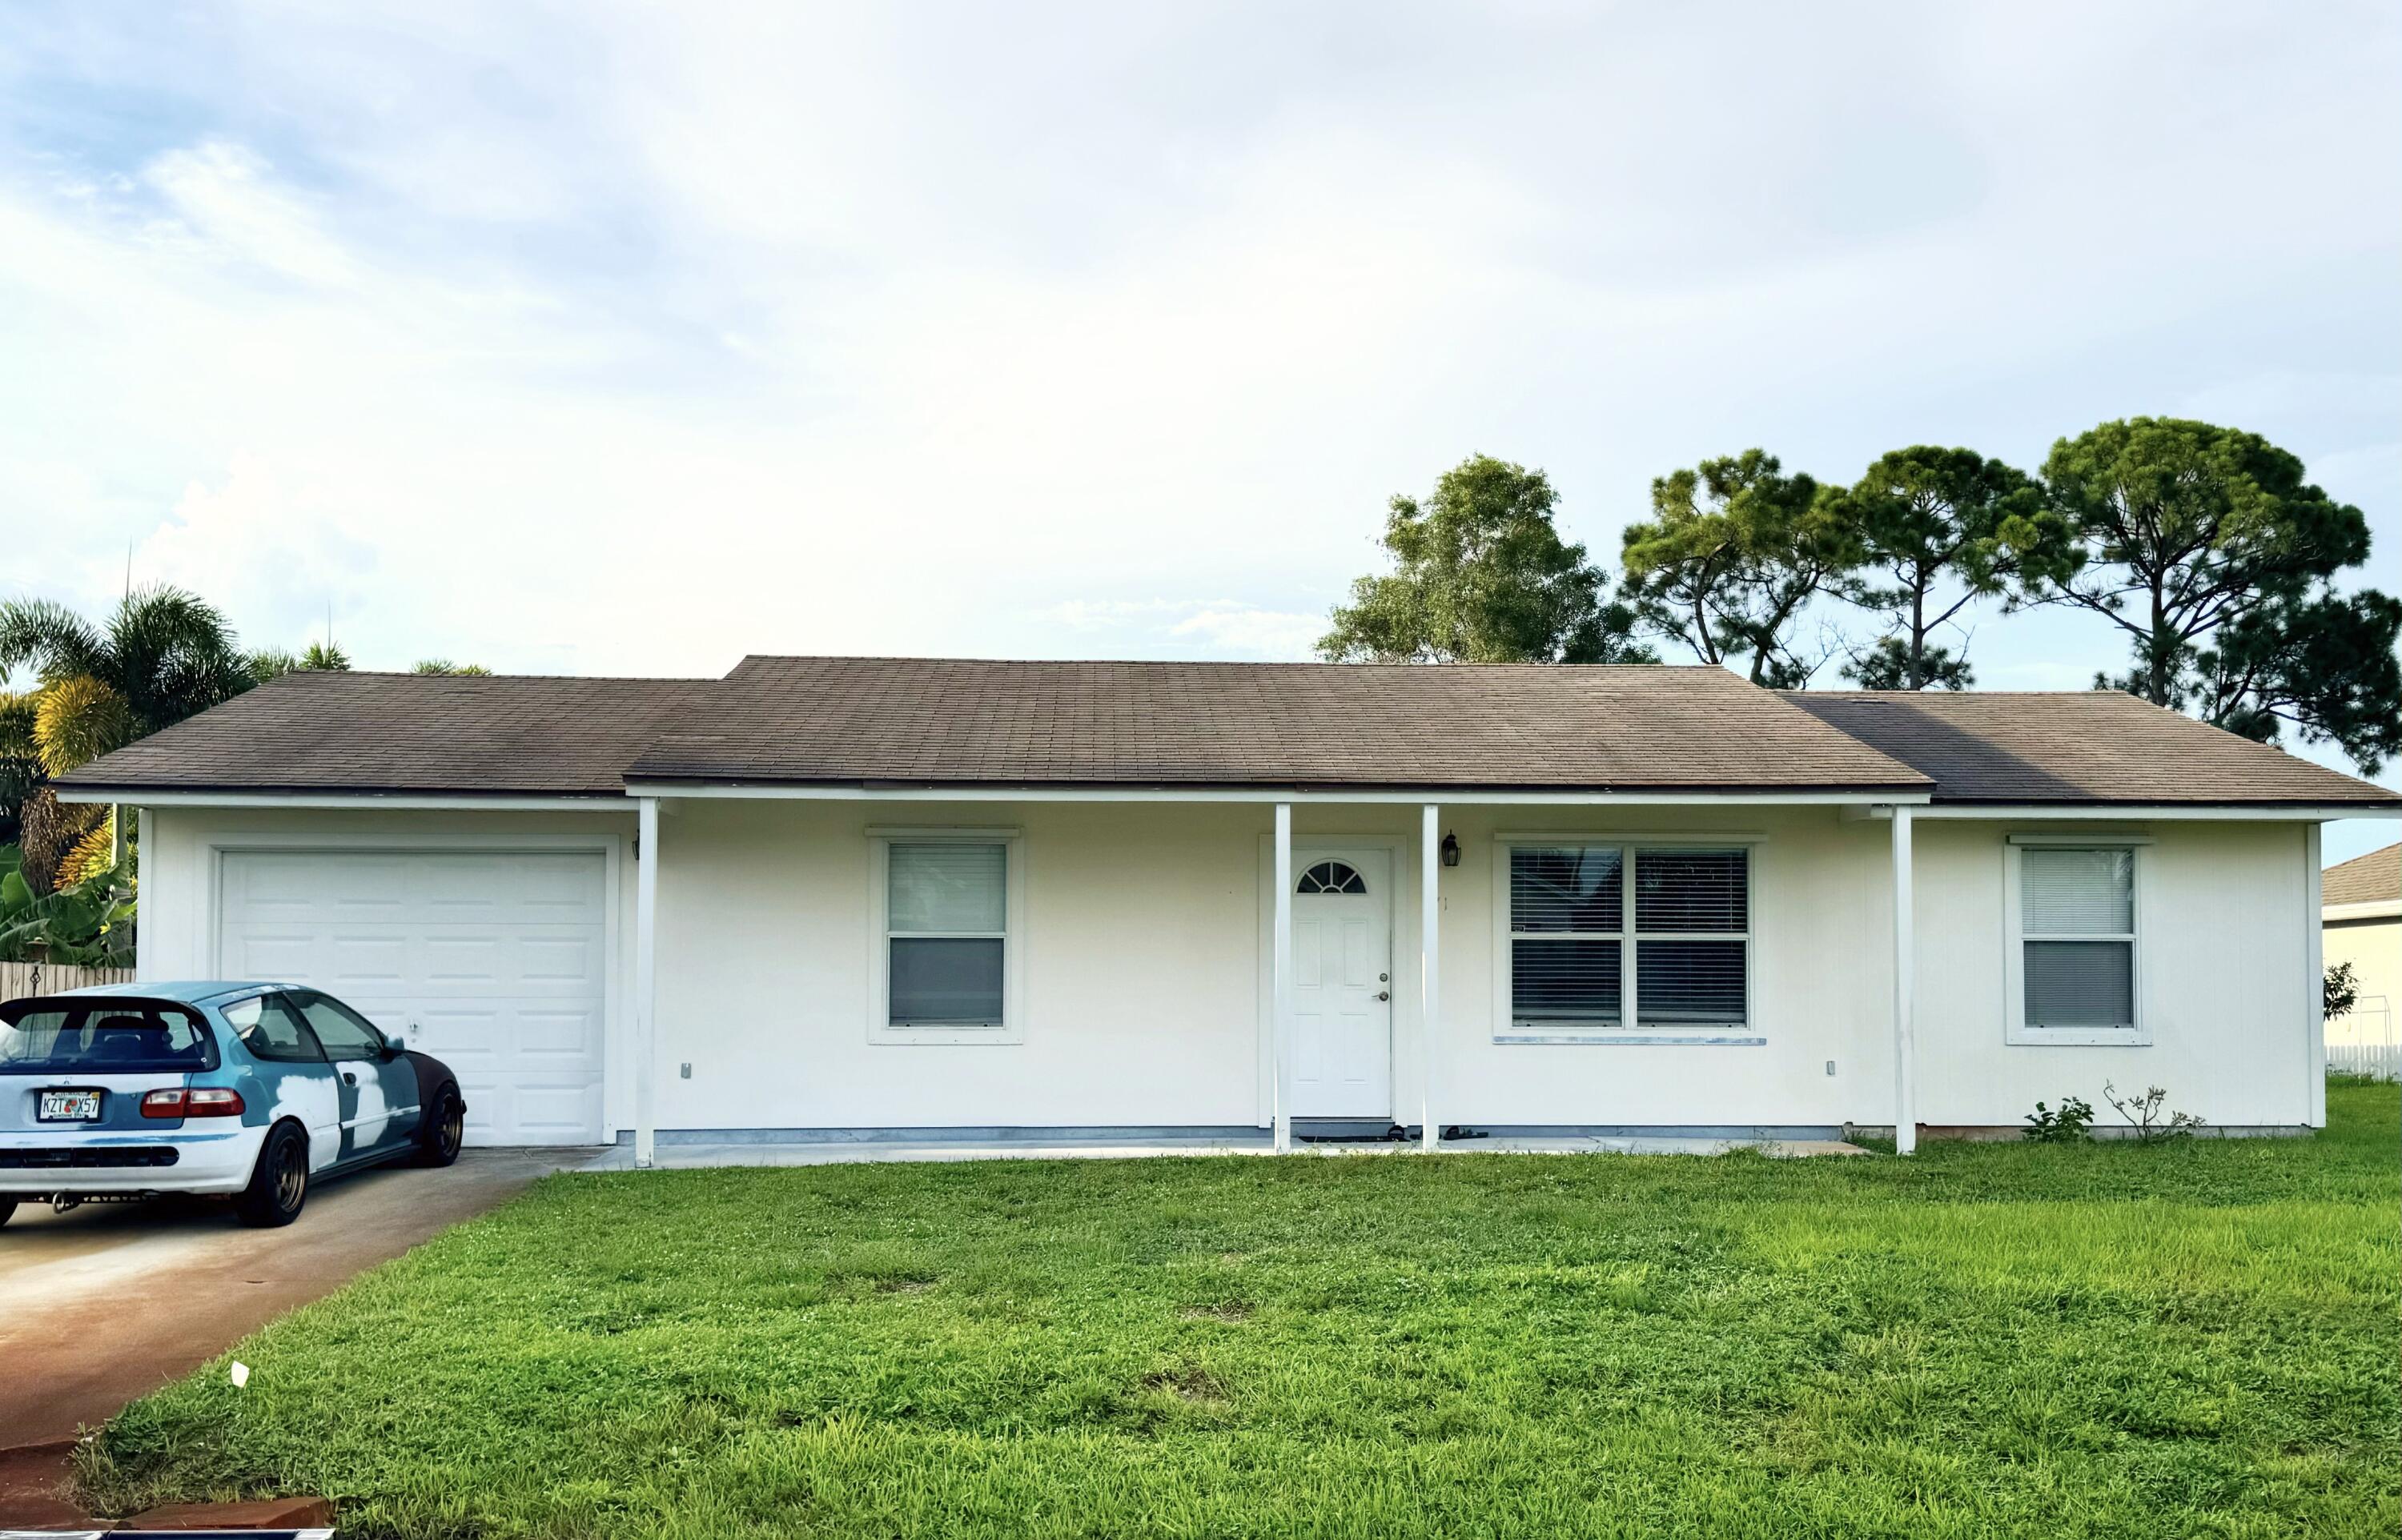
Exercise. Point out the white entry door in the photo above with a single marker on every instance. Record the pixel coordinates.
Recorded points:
(1342, 985)
(492, 961)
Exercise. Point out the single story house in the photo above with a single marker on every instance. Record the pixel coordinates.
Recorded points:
(844, 896)
(2361, 909)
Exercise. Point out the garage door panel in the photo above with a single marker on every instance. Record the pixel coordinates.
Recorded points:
(461, 959)
(498, 960)
(552, 1114)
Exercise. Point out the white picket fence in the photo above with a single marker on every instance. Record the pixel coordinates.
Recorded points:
(18, 980)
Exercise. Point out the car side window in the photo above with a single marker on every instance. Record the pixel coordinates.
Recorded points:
(272, 1031)
(345, 1033)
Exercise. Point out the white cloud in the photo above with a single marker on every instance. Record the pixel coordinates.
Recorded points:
(627, 339)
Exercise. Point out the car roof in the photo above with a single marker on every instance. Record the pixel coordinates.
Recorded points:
(187, 991)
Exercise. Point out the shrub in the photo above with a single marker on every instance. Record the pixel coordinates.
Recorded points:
(2066, 1126)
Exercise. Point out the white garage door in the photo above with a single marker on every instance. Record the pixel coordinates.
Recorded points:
(495, 960)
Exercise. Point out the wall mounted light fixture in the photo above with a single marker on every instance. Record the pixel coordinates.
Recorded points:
(1450, 849)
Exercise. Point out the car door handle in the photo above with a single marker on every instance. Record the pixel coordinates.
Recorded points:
(349, 1079)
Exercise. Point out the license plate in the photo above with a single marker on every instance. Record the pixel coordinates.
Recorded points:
(70, 1107)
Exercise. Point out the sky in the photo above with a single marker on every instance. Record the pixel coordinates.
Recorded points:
(609, 338)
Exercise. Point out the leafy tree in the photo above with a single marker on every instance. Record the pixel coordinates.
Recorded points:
(20, 758)
(161, 655)
(2338, 991)
(1731, 557)
(1482, 576)
(165, 654)
(443, 666)
(2209, 548)
(317, 657)
(1940, 529)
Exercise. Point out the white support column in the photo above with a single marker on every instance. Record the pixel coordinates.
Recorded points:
(647, 947)
(1905, 1025)
(2315, 985)
(1429, 973)
(1280, 1003)
(142, 943)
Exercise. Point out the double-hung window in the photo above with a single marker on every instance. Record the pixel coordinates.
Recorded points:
(945, 959)
(1609, 941)
(2075, 952)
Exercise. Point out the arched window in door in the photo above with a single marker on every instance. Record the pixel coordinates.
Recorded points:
(1331, 877)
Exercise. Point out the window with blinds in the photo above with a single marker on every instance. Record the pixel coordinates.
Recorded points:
(946, 932)
(2076, 924)
(1602, 936)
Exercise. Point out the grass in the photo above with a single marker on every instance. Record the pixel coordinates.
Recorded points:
(2194, 1339)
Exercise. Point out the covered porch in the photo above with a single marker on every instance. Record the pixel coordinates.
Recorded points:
(1354, 949)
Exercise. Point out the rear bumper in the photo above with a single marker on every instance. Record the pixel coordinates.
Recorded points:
(41, 1166)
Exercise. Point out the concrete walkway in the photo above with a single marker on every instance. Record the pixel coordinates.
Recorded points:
(692, 1157)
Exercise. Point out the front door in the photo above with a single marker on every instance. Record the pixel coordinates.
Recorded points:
(1342, 985)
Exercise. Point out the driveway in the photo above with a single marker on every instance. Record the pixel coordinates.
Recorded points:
(109, 1302)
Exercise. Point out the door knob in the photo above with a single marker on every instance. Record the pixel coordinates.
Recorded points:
(1384, 994)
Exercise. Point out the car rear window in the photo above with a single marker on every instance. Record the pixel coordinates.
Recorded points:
(102, 1036)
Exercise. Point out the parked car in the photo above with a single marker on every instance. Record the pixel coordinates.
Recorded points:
(253, 1091)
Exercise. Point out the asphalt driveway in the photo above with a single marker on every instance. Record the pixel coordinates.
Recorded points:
(107, 1303)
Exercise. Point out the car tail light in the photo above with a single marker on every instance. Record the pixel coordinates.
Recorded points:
(198, 1102)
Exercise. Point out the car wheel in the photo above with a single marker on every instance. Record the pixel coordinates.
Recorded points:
(279, 1185)
(444, 1131)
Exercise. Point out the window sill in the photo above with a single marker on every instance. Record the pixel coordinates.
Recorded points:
(1735, 1039)
(2077, 1037)
(933, 1036)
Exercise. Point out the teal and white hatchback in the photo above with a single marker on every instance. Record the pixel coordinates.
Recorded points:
(251, 1090)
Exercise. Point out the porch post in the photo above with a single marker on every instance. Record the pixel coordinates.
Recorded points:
(2314, 986)
(1905, 1026)
(1429, 971)
(646, 916)
(1280, 1003)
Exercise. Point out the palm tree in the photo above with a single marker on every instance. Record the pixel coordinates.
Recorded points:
(164, 656)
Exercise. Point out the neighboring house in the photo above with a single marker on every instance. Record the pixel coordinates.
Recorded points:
(875, 894)
(2361, 907)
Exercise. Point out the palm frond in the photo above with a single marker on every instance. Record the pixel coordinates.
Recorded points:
(78, 719)
(56, 641)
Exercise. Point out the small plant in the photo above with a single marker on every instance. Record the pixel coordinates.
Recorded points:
(2066, 1126)
(2338, 991)
(2143, 1115)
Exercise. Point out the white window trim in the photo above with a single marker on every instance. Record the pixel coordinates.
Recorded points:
(1011, 1028)
(2015, 1032)
(1633, 1032)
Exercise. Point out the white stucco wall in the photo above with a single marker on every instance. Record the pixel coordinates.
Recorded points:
(1144, 930)
(2224, 982)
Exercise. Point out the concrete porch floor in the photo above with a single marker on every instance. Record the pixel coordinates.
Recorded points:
(689, 1156)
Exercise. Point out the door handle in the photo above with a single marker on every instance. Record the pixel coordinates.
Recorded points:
(349, 1079)
(1384, 994)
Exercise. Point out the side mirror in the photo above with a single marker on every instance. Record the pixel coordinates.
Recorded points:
(392, 1049)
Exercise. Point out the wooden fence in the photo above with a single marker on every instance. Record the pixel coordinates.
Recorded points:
(18, 979)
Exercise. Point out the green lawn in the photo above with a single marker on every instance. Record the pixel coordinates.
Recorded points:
(1984, 1339)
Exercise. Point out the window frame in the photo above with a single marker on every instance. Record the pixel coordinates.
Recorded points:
(1632, 1030)
(2016, 1032)
(1011, 1029)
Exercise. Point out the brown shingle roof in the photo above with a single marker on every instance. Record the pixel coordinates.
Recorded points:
(2373, 878)
(960, 722)
(2091, 746)
(353, 732)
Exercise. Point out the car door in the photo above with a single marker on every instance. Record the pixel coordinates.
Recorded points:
(292, 1067)
(378, 1089)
